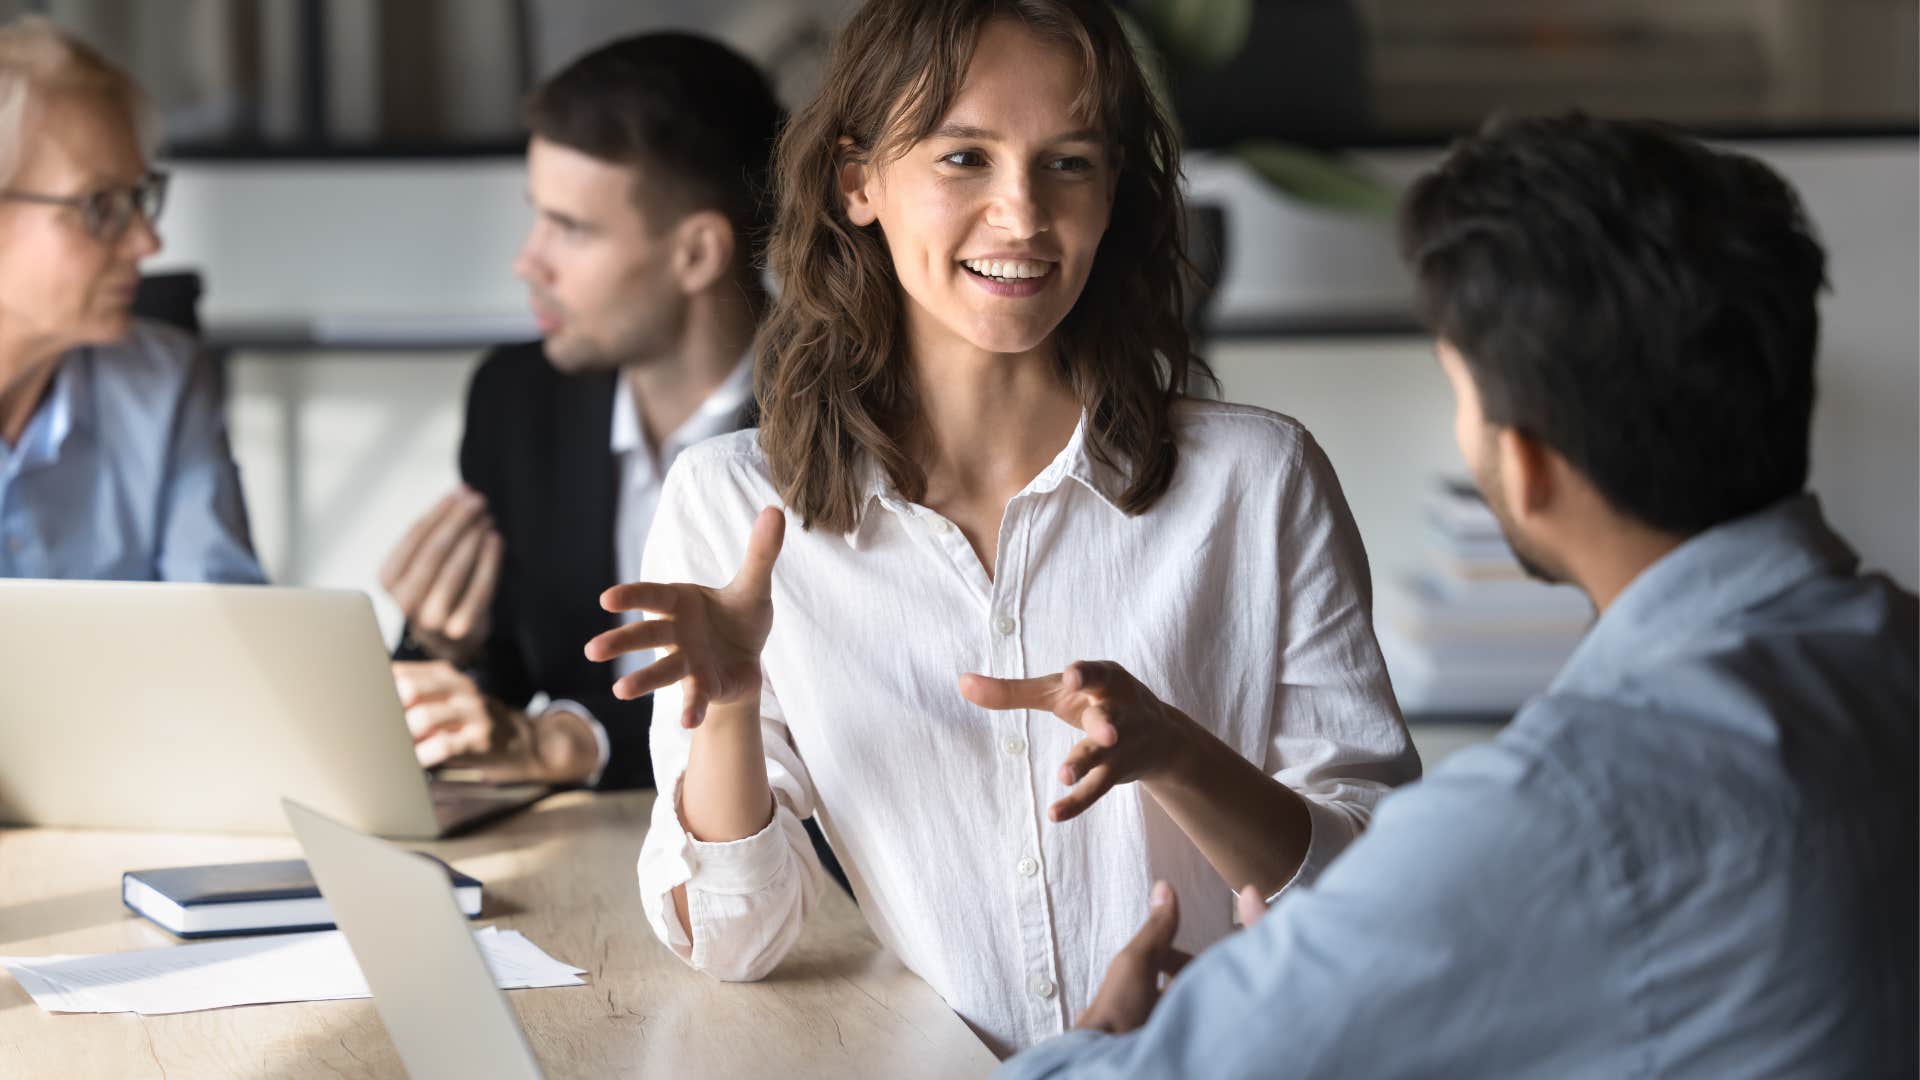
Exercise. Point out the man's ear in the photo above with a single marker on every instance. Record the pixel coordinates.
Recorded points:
(703, 247)
(1529, 473)
(856, 184)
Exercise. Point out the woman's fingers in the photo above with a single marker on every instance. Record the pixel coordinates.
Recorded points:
(1097, 782)
(754, 580)
(1085, 755)
(696, 708)
(1097, 722)
(1041, 692)
(642, 596)
(632, 637)
(665, 671)
(1101, 678)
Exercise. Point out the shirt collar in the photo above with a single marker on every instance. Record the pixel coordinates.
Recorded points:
(1728, 569)
(1073, 462)
(62, 413)
(716, 415)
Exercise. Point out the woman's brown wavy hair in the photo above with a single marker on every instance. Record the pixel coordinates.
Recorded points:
(832, 376)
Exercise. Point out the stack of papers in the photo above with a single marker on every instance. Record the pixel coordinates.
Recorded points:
(248, 971)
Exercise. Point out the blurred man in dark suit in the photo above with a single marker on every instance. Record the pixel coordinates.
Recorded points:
(646, 171)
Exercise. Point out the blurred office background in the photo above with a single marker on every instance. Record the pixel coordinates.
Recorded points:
(347, 184)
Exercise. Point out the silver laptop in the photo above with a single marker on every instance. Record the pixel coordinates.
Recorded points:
(177, 707)
(429, 981)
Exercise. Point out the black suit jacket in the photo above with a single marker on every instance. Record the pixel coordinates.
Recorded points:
(536, 445)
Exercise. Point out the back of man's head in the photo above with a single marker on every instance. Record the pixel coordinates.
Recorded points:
(1638, 302)
(695, 119)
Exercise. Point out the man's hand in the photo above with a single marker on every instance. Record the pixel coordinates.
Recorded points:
(1131, 734)
(715, 635)
(1249, 905)
(443, 574)
(457, 726)
(1136, 978)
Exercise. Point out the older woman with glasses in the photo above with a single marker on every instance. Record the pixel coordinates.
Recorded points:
(113, 451)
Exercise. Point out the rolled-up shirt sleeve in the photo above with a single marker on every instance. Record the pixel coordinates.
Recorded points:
(746, 899)
(1337, 737)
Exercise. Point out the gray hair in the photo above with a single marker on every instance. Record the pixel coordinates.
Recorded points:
(38, 59)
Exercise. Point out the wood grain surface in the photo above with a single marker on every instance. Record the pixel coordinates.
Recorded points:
(563, 874)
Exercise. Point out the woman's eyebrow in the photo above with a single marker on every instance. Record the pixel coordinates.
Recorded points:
(969, 132)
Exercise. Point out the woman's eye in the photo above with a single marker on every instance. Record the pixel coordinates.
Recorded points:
(966, 159)
(1071, 164)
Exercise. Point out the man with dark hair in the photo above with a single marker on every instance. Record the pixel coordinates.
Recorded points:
(646, 169)
(1695, 853)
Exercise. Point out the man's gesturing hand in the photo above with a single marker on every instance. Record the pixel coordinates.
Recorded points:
(1131, 735)
(713, 637)
(1249, 906)
(1134, 981)
(443, 574)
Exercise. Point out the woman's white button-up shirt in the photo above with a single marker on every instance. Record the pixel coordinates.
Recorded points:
(1240, 597)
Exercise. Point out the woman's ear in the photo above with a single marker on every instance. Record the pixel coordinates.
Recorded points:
(703, 250)
(857, 180)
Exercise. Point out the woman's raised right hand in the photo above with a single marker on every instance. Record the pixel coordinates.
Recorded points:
(712, 637)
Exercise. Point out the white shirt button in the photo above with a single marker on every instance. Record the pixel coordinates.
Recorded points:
(1041, 986)
(942, 526)
(1003, 625)
(1027, 867)
(1014, 745)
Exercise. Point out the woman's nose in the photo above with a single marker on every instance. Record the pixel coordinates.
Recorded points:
(1016, 207)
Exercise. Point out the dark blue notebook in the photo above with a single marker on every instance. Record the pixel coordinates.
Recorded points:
(247, 898)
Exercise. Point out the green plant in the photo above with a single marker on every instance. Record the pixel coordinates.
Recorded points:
(1174, 36)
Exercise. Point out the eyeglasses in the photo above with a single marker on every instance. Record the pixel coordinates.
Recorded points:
(107, 214)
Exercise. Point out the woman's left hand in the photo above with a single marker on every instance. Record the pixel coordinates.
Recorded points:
(1130, 733)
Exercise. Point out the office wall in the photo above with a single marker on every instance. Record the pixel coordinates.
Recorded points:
(363, 441)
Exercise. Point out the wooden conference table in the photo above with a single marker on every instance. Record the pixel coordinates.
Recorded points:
(562, 873)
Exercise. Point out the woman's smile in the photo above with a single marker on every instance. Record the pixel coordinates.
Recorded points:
(1011, 278)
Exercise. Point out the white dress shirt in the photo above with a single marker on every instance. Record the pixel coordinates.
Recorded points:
(1241, 597)
(642, 472)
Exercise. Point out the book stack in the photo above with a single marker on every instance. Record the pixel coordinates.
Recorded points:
(1469, 634)
(246, 898)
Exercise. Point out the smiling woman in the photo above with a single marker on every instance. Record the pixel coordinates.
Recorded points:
(975, 404)
(1039, 197)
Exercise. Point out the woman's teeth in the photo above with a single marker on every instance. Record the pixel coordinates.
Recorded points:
(1008, 269)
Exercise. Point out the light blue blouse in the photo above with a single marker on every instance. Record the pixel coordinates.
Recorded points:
(124, 473)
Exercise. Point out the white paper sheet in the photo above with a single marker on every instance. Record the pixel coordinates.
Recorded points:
(247, 971)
